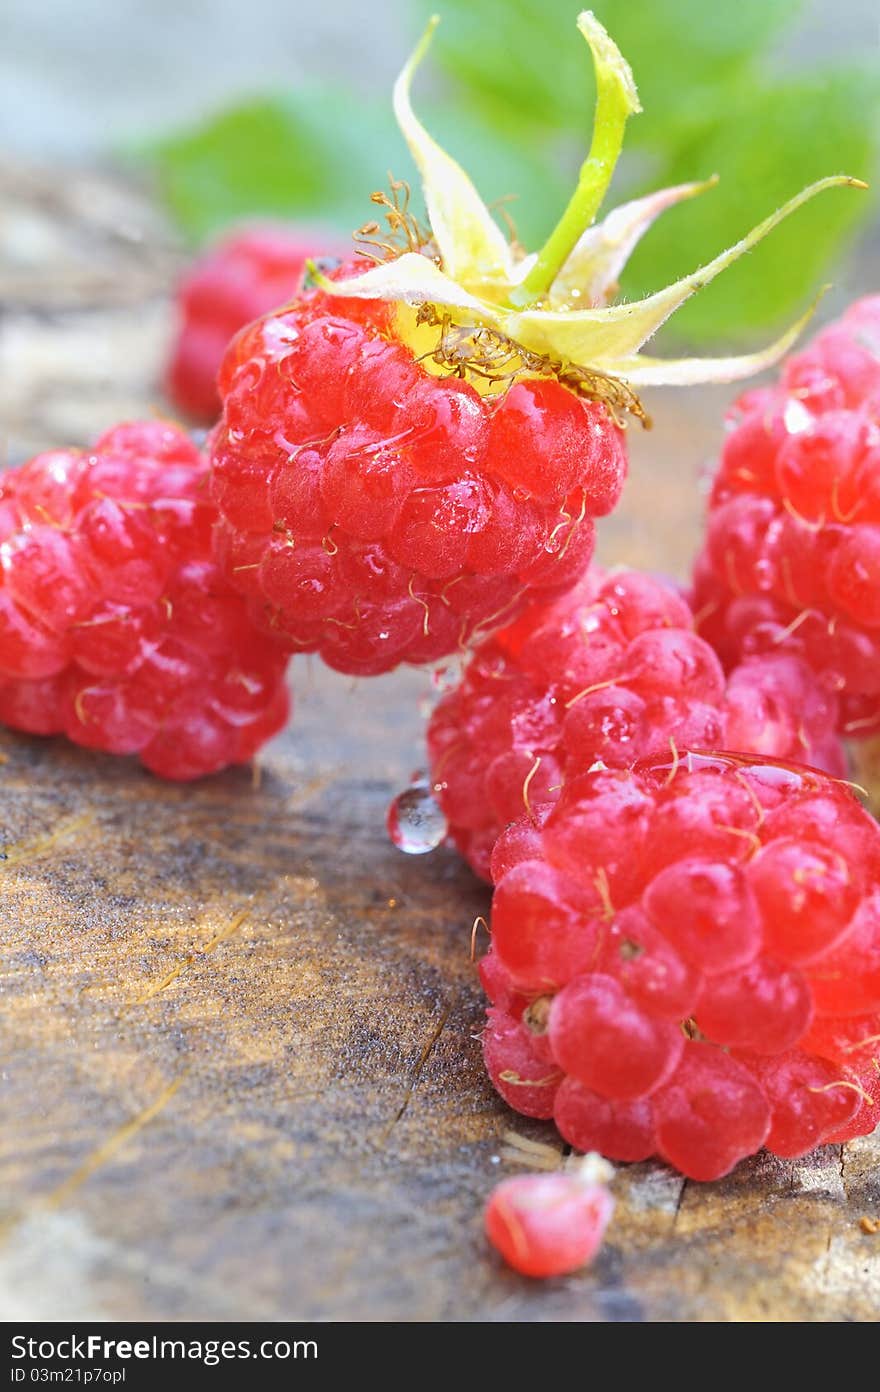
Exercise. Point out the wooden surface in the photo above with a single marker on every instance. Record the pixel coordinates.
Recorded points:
(239, 1069)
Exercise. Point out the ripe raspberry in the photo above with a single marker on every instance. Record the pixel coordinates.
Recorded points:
(791, 562)
(551, 1224)
(246, 274)
(116, 627)
(685, 962)
(612, 671)
(379, 514)
(410, 450)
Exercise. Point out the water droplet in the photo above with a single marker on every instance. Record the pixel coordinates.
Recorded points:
(415, 821)
(796, 417)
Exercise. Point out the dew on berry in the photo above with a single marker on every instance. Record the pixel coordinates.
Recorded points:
(118, 629)
(791, 560)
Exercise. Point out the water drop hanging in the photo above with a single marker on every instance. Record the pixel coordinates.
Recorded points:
(416, 823)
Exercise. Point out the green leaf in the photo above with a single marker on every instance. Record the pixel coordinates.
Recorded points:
(517, 56)
(712, 104)
(295, 156)
(766, 147)
(508, 166)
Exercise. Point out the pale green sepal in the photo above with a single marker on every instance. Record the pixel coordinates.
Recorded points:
(596, 336)
(473, 249)
(687, 372)
(612, 69)
(593, 269)
(410, 278)
(616, 100)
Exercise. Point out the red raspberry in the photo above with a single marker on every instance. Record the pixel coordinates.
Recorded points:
(791, 562)
(116, 627)
(613, 671)
(380, 514)
(551, 1224)
(247, 273)
(702, 977)
(413, 447)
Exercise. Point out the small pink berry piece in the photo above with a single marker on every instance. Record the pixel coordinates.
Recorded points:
(551, 1224)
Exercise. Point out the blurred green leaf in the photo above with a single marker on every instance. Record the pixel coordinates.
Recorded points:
(297, 156)
(713, 103)
(811, 120)
(524, 57)
(294, 156)
(514, 105)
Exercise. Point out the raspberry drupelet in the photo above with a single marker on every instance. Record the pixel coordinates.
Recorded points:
(247, 273)
(416, 446)
(116, 626)
(612, 671)
(685, 962)
(791, 560)
(551, 1224)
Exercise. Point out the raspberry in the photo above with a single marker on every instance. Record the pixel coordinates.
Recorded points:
(722, 994)
(116, 627)
(248, 273)
(791, 561)
(551, 1224)
(412, 447)
(612, 671)
(413, 521)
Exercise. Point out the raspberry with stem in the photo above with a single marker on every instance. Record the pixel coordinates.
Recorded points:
(413, 447)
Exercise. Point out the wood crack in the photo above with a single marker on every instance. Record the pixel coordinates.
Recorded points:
(681, 1194)
(417, 1071)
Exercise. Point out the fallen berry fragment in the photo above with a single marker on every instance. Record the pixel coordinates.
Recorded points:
(611, 672)
(551, 1224)
(248, 273)
(791, 561)
(116, 628)
(416, 446)
(685, 962)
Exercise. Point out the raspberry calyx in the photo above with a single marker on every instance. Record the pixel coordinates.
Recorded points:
(471, 277)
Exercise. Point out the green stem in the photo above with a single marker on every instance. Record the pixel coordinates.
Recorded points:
(616, 99)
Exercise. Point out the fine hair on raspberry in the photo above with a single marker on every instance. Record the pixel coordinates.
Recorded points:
(248, 272)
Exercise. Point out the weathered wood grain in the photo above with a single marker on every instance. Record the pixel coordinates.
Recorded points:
(239, 1073)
